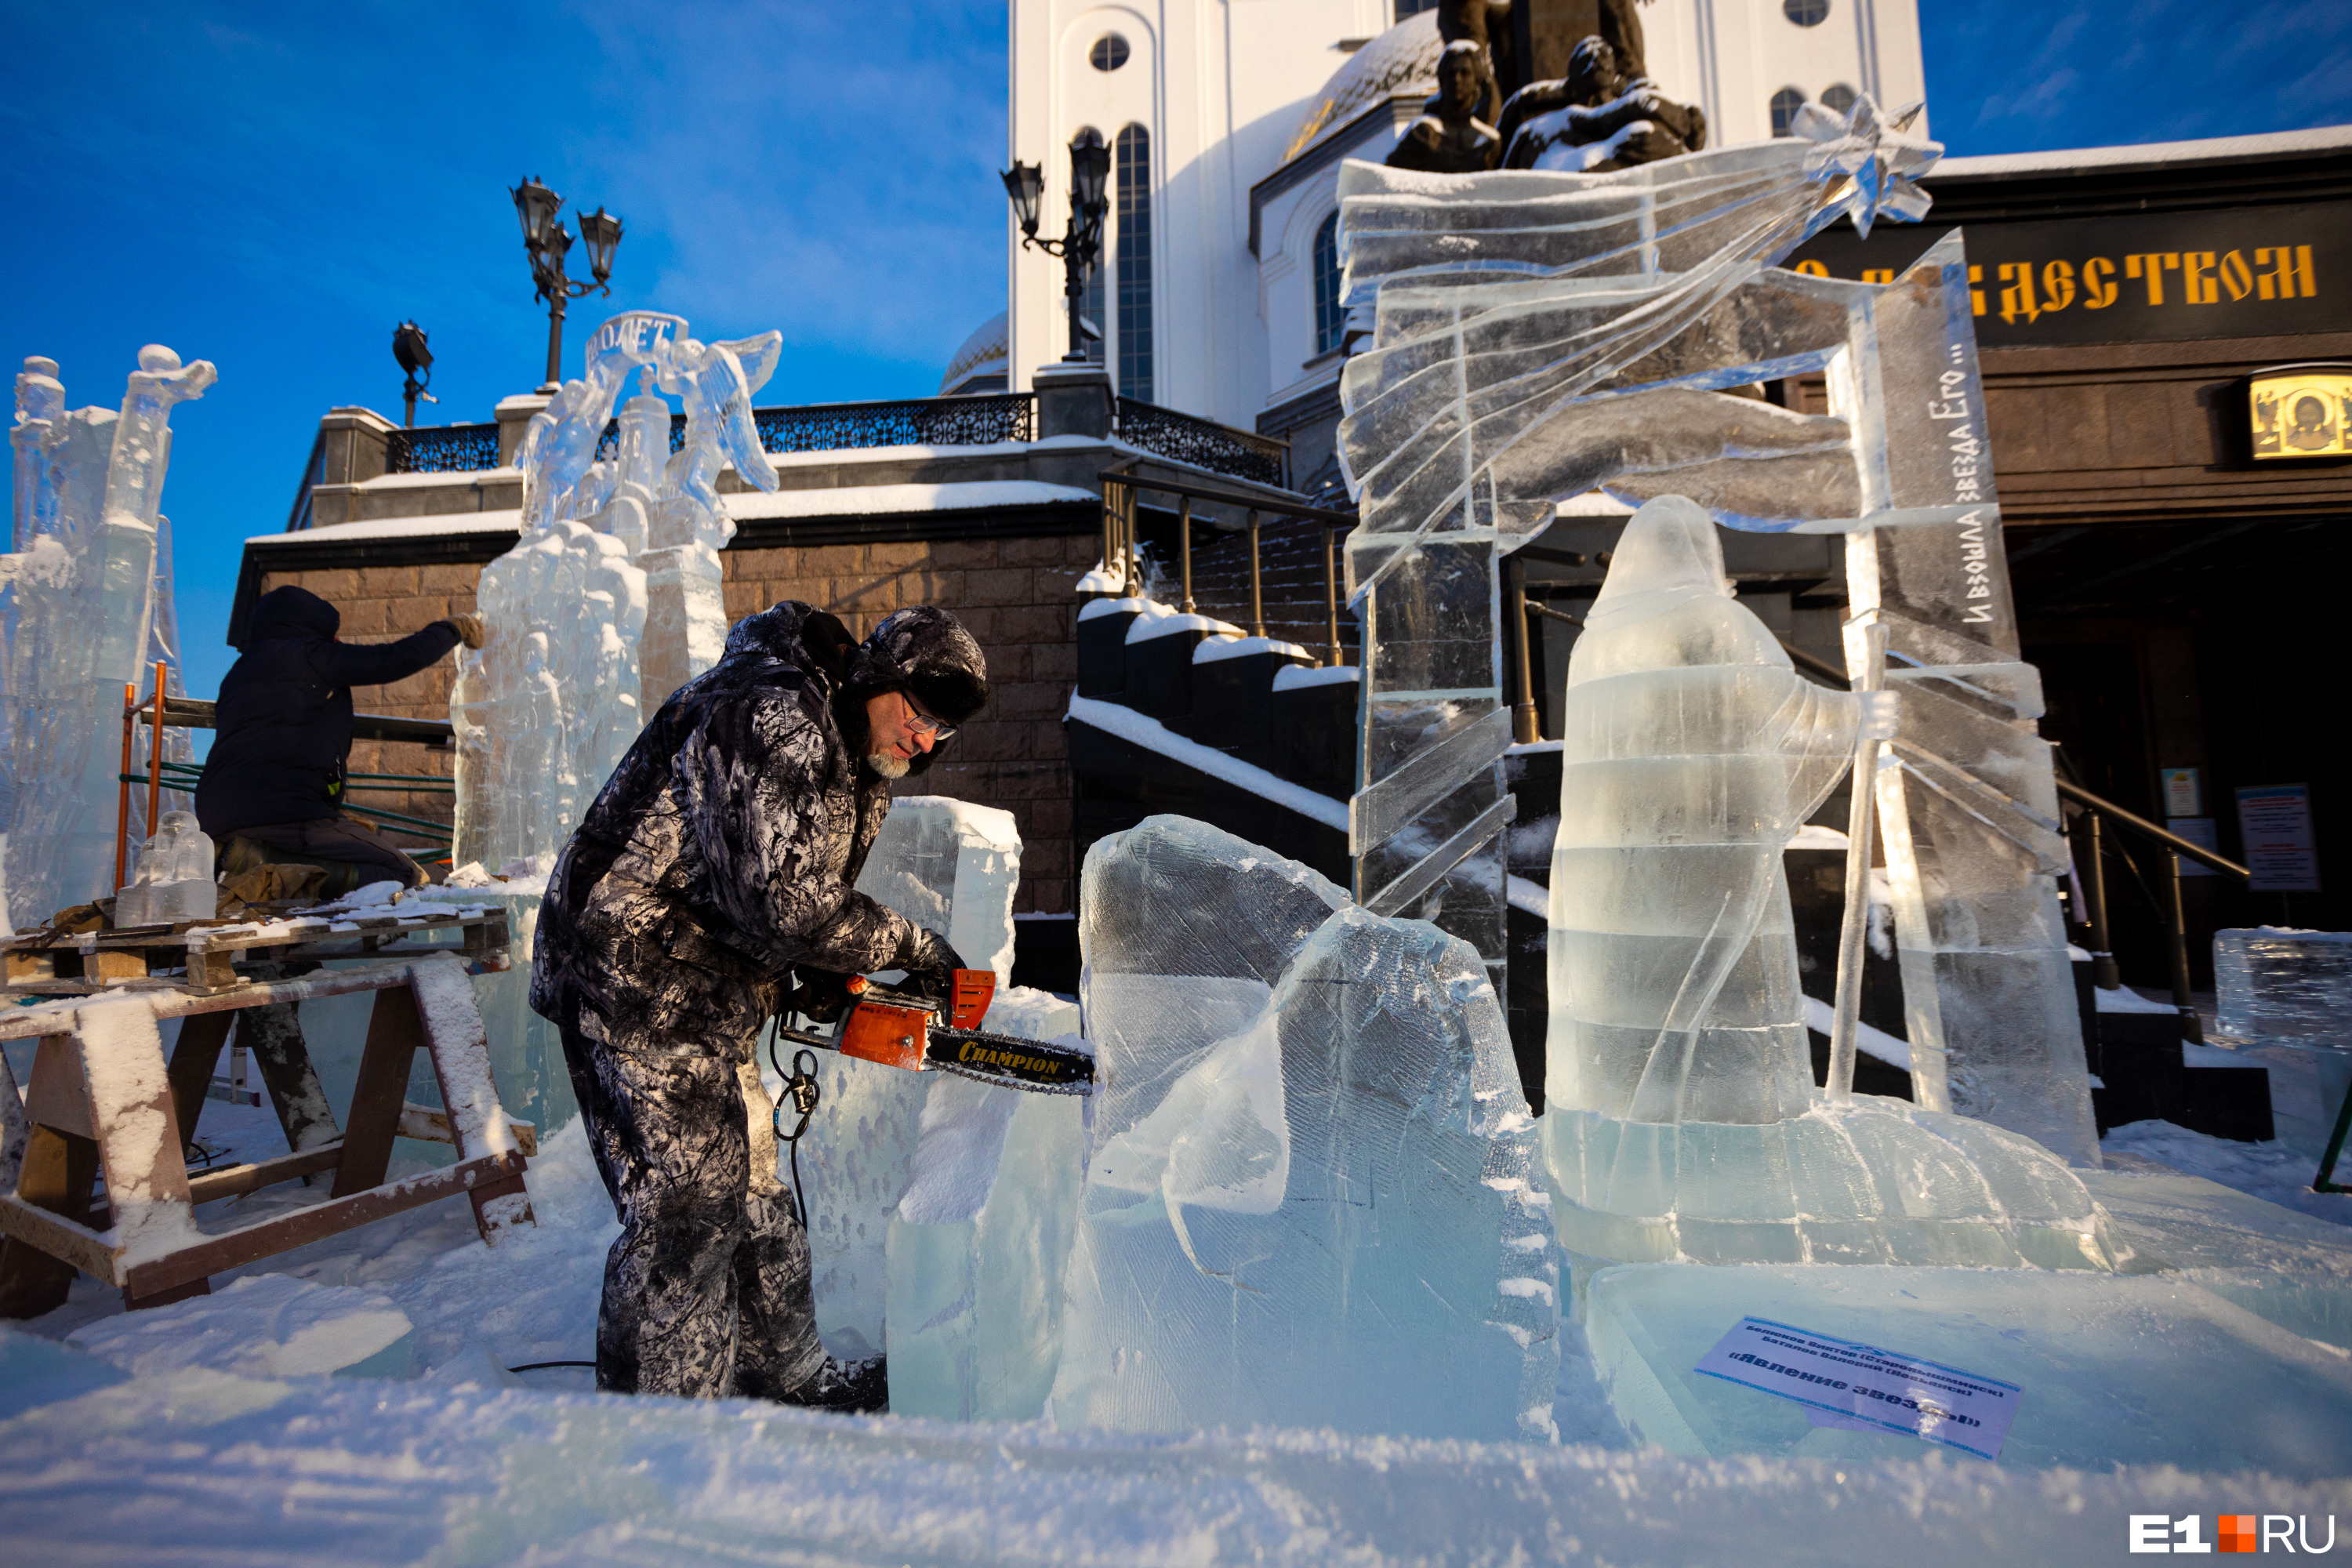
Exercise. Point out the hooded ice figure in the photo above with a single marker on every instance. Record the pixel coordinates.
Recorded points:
(1312, 1195)
(1682, 1118)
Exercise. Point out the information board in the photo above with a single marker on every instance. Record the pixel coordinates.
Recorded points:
(1865, 1387)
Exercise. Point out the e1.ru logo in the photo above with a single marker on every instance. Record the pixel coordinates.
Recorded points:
(2232, 1532)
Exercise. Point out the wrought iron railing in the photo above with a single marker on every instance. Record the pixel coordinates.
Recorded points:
(1220, 449)
(442, 449)
(608, 445)
(978, 420)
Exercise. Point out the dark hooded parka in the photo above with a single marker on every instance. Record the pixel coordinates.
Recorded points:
(285, 712)
(719, 856)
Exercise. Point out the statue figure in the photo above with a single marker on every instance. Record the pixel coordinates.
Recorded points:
(1603, 115)
(1487, 24)
(1450, 138)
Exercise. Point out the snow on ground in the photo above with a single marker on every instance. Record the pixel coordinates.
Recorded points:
(464, 1462)
(2269, 1171)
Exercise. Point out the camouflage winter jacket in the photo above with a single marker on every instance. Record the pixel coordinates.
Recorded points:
(724, 847)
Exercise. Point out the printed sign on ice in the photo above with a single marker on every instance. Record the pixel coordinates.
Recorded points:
(1861, 1386)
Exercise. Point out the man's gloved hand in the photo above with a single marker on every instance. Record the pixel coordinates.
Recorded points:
(470, 629)
(931, 964)
(819, 994)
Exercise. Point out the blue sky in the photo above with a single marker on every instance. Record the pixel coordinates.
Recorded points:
(273, 186)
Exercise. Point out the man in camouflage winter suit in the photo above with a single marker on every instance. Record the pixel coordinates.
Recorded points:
(717, 863)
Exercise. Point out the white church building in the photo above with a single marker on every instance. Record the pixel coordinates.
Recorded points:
(1217, 294)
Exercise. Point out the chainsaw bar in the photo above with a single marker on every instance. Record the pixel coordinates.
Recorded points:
(1009, 1059)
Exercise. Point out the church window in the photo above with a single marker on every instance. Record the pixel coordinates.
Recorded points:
(1413, 7)
(1330, 315)
(1109, 53)
(1806, 12)
(1838, 96)
(1134, 253)
(1785, 105)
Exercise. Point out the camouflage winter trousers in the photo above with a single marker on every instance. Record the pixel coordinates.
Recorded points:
(707, 1290)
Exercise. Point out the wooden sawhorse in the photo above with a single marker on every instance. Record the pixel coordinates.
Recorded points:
(101, 1097)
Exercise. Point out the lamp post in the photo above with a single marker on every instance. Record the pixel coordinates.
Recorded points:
(1081, 244)
(408, 348)
(545, 240)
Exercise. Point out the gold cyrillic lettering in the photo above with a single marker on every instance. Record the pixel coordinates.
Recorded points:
(2017, 295)
(1812, 269)
(2157, 262)
(2099, 283)
(1976, 295)
(1881, 275)
(2057, 285)
(2197, 280)
(2236, 275)
(2293, 265)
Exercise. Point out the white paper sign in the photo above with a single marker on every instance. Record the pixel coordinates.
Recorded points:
(1865, 1387)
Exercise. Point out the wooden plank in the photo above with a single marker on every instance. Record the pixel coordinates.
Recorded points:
(394, 1032)
(426, 1124)
(193, 1062)
(130, 1095)
(56, 1096)
(282, 1233)
(42, 1221)
(25, 1023)
(235, 1181)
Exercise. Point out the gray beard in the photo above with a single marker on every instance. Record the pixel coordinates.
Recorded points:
(887, 765)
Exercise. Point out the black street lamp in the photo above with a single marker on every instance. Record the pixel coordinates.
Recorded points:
(545, 240)
(1080, 245)
(408, 348)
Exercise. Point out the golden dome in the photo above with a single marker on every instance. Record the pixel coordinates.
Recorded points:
(1402, 60)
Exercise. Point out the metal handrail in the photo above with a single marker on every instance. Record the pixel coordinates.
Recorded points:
(1121, 490)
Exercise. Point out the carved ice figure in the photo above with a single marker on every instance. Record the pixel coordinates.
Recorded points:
(174, 881)
(1540, 335)
(1691, 753)
(952, 867)
(1681, 1117)
(1312, 1195)
(88, 598)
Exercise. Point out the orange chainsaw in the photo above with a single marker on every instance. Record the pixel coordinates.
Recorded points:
(922, 1034)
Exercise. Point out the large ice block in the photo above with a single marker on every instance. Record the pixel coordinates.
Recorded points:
(2115, 1369)
(2276, 985)
(978, 1246)
(952, 867)
(1312, 1195)
(86, 606)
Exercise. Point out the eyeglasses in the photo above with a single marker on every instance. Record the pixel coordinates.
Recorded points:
(923, 723)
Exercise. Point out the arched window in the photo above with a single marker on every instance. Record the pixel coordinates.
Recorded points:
(1839, 97)
(1785, 105)
(1330, 315)
(1134, 252)
(1806, 12)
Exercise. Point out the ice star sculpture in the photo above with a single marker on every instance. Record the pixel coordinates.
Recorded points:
(1882, 164)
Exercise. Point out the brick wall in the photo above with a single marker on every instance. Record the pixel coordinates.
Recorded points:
(1015, 596)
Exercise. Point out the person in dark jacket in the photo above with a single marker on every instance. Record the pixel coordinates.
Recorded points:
(717, 864)
(275, 775)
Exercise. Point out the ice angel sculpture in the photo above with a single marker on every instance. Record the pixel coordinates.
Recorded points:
(1681, 1119)
(1539, 336)
(611, 600)
(87, 598)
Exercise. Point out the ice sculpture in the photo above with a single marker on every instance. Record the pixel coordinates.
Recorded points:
(1313, 1196)
(978, 1244)
(1540, 335)
(88, 593)
(1681, 1118)
(610, 600)
(952, 867)
(175, 876)
(2283, 986)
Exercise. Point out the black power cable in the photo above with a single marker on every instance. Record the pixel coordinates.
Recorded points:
(801, 1084)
